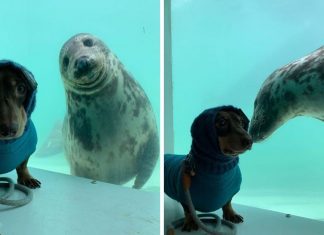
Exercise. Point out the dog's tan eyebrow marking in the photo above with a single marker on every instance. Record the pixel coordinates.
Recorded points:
(236, 117)
(222, 116)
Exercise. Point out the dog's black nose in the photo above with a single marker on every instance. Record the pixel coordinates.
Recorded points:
(8, 130)
(82, 66)
(247, 143)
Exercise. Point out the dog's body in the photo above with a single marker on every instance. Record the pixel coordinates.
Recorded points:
(210, 189)
(219, 135)
(18, 137)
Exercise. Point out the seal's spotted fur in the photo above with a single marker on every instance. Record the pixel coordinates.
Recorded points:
(110, 129)
(295, 89)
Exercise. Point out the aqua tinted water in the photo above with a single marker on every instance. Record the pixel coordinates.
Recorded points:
(222, 53)
(32, 33)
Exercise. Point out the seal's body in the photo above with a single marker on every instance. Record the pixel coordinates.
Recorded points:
(110, 132)
(296, 89)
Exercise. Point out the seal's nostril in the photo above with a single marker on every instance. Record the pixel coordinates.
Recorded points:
(82, 63)
(82, 66)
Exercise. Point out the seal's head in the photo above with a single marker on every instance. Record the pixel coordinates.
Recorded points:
(83, 62)
(272, 108)
(17, 99)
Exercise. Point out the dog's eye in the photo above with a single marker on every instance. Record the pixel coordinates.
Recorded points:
(21, 89)
(222, 122)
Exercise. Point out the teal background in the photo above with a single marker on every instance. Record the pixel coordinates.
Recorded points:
(33, 32)
(222, 52)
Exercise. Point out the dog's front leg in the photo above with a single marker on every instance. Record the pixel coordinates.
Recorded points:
(230, 215)
(189, 223)
(24, 176)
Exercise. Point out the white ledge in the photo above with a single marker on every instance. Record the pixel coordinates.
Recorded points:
(72, 205)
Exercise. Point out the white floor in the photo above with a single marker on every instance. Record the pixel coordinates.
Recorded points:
(72, 205)
(58, 163)
(308, 204)
(256, 221)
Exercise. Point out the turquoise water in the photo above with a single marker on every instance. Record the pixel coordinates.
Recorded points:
(33, 32)
(222, 53)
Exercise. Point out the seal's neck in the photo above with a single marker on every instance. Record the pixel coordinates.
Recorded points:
(103, 79)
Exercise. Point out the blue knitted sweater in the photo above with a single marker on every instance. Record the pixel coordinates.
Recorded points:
(13, 152)
(218, 177)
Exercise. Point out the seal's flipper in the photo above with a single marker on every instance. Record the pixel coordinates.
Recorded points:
(54, 143)
(149, 153)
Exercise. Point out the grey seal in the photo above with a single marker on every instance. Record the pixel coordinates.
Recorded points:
(296, 89)
(109, 131)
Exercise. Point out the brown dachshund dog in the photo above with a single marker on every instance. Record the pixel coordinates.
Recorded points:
(17, 91)
(210, 171)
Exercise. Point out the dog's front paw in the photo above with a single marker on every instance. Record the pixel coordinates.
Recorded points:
(233, 217)
(189, 224)
(29, 181)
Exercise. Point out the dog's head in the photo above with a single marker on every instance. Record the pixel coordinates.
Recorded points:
(232, 130)
(17, 99)
(220, 131)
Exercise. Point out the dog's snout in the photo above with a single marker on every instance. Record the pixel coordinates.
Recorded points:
(8, 130)
(247, 143)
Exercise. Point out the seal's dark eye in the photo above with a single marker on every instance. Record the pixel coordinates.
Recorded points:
(66, 62)
(21, 89)
(88, 42)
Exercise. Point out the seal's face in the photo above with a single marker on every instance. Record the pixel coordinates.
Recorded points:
(268, 115)
(13, 94)
(83, 60)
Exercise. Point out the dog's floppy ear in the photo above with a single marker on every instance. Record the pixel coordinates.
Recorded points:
(29, 79)
(245, 119)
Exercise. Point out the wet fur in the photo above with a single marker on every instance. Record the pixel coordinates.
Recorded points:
(233, 138)
(109, 132)
(295, 89)
(13, 117)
